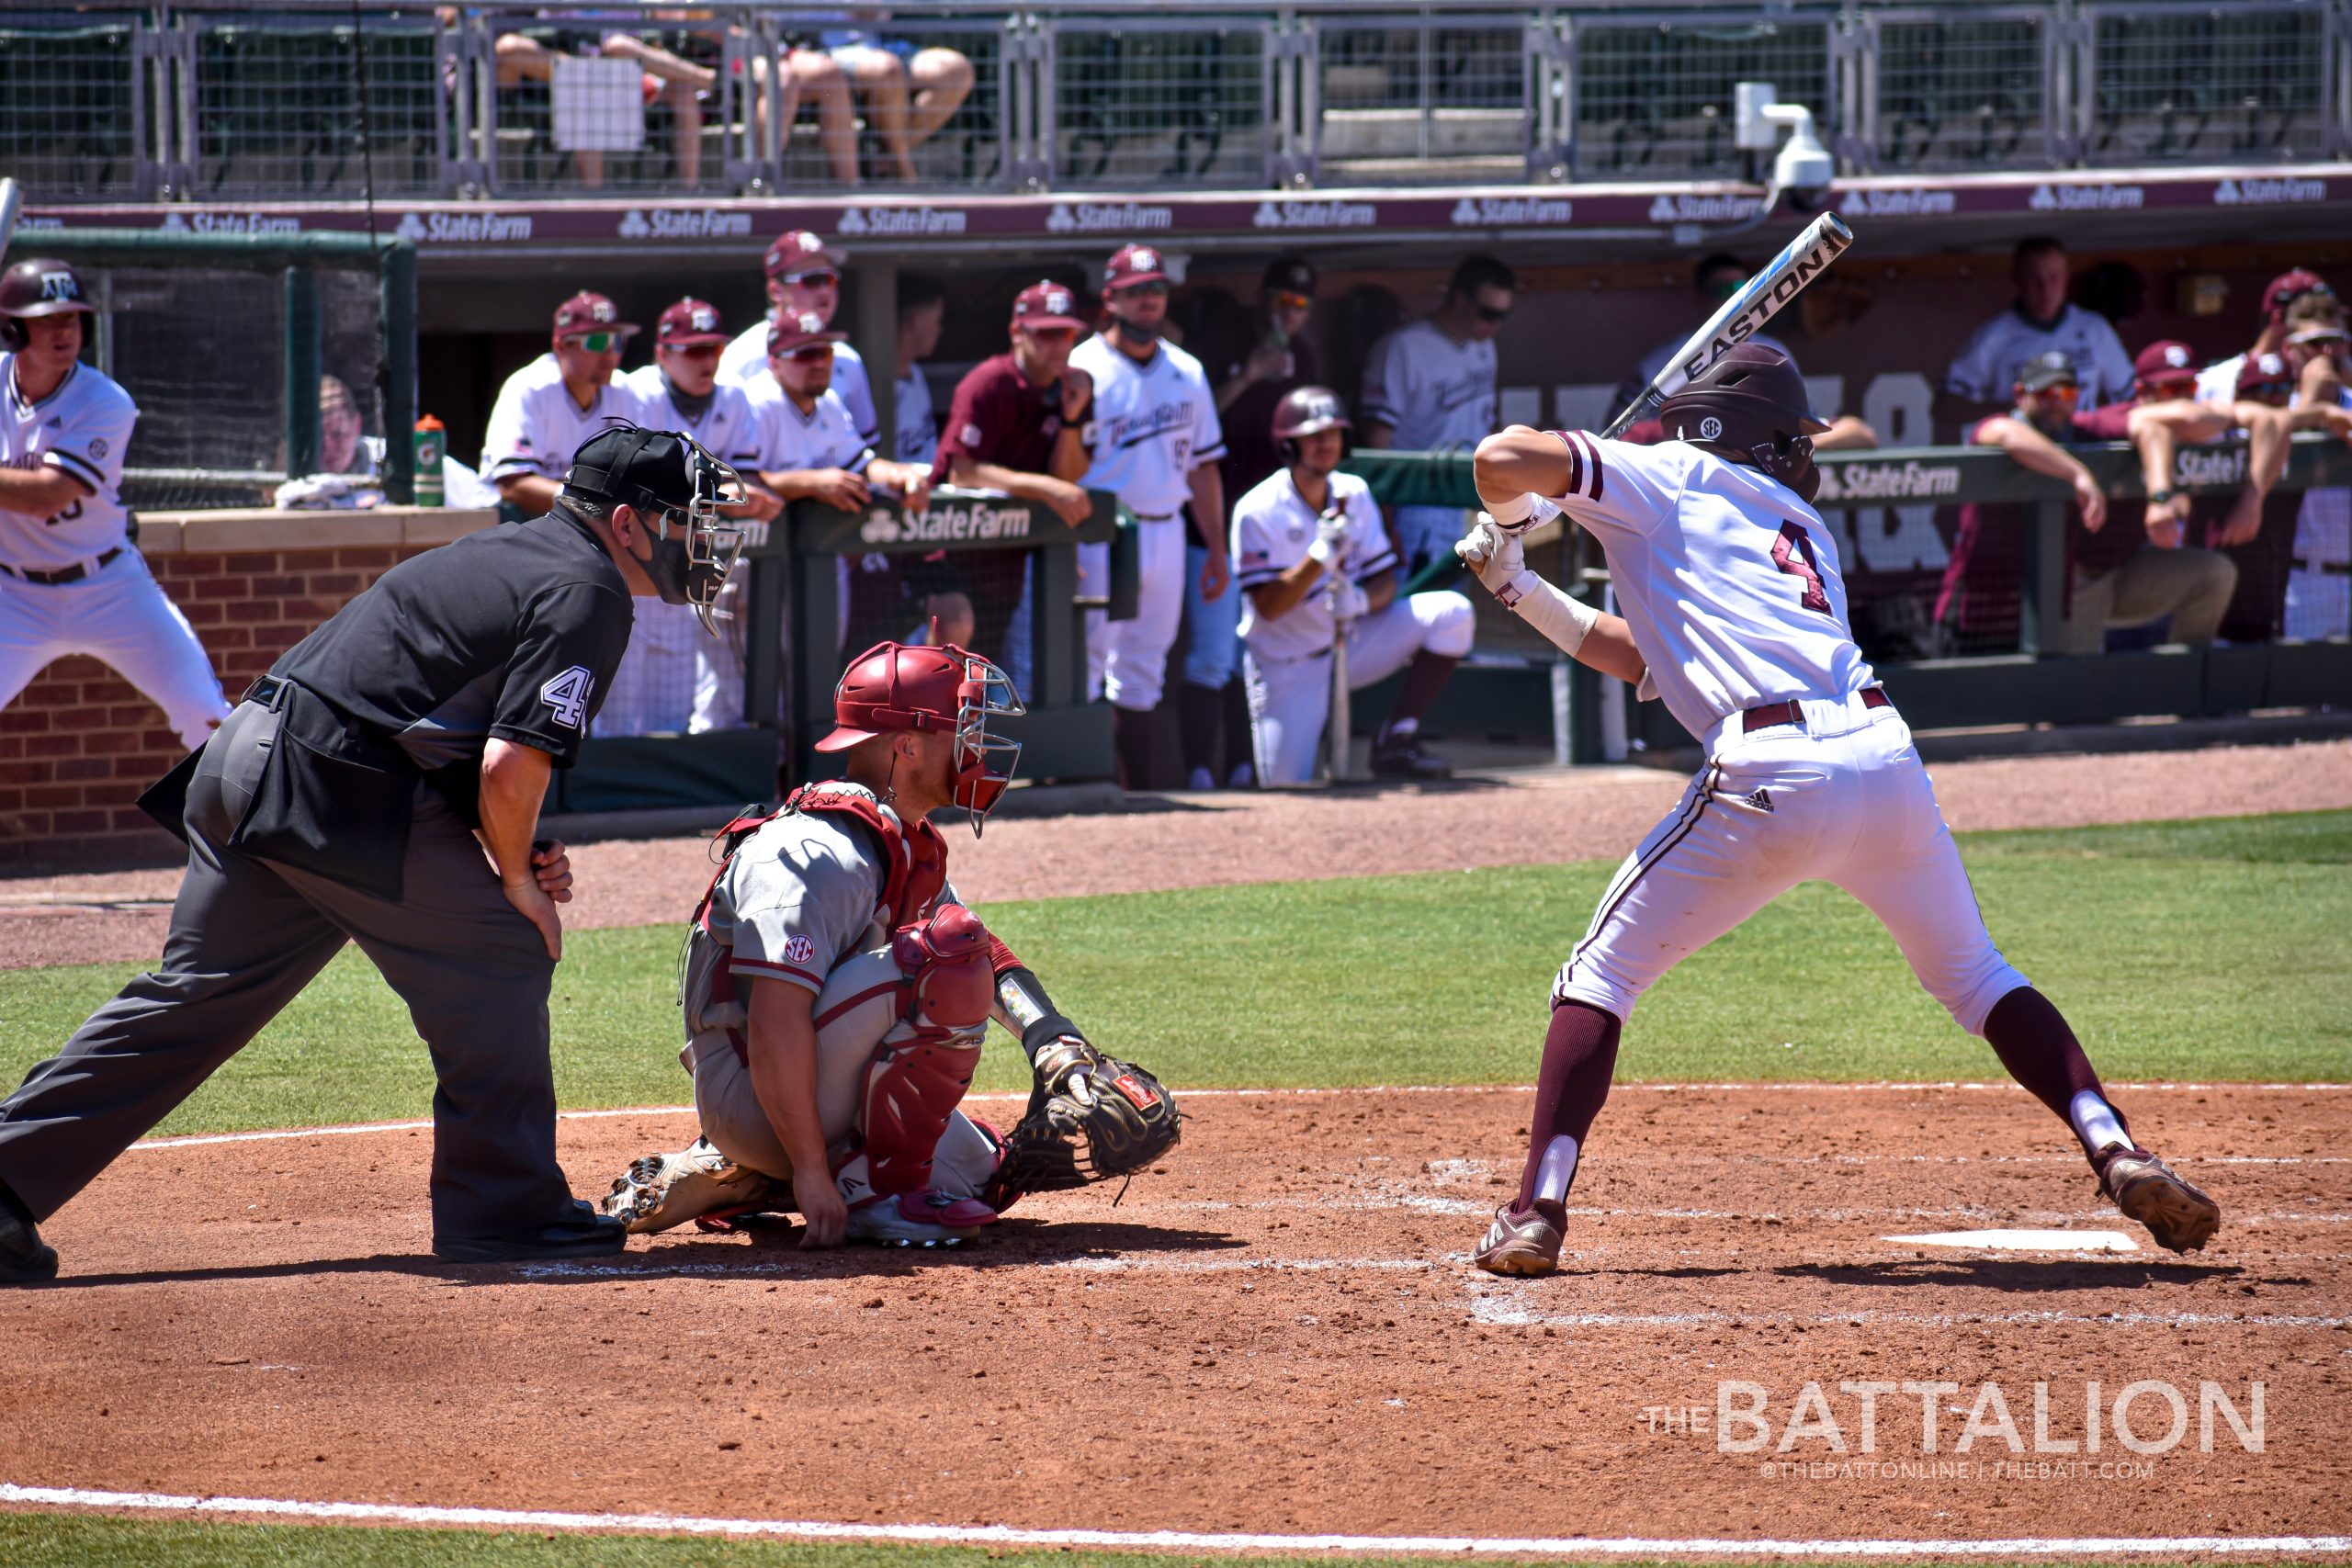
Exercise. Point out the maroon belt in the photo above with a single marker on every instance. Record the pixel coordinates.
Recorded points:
(1793, 711)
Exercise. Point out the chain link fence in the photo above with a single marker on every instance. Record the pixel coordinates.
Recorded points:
(2223, 84)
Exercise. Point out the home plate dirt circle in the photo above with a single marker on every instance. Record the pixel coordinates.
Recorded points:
(1276, 1337)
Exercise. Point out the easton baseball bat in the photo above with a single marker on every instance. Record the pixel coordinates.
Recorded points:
(12, 205)
(1758, 300)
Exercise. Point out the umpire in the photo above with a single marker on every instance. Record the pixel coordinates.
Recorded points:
(352, 796)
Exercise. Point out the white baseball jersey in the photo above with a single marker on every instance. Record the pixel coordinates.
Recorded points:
(1987, 367)
(1437, 394)
(1155, 422)
(2218, 383)
(1273, 526)
(535, 428)
(745, 360)
(917, 439)
(1728, 579)
(726, 429)
(82, 429)
(785, 439)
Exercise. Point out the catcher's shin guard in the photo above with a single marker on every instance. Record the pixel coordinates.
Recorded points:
(923, 1065)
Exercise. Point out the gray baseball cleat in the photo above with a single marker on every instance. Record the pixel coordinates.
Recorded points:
(2149, 1190)
(1525, 1243)
(918, 1219)
(663, 1190)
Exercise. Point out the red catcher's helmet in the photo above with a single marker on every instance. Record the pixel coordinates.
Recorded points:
(1751, 406)
(895, 685)
(1306, 410)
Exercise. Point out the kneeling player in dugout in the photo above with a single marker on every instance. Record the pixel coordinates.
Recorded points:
(836, 994)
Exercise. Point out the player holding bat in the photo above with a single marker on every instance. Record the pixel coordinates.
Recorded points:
(1731, 591)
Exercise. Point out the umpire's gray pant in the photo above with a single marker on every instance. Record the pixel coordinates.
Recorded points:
(247, 936)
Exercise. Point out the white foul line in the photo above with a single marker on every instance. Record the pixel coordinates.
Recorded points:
(1176, 1541)
(278, 1135)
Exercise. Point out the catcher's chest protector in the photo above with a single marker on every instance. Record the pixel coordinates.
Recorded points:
(914, 860)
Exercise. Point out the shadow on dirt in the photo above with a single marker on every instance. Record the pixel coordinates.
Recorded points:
(2013, 1273)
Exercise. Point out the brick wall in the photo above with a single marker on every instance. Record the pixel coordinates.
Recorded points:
(79, 743)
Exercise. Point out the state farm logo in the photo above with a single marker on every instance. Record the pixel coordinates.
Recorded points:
(2086, 199)
(695, 223)
(1704, 209)
(881, 528)
(946, 525)
(463, 228)
(1492, 210)
(1315, 215)
(2267, 192)
(228, 224)
(1107, 217)
(1887, 482)
(904, 220)
(2194, 467)
(1916, 202)
(28, 223)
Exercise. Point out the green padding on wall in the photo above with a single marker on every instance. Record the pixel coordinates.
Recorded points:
(639, 772)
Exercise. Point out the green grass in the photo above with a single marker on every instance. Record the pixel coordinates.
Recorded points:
(2212, 950)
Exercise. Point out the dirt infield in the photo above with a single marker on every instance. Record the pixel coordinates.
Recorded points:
(1278, 1333)
(1511, 819)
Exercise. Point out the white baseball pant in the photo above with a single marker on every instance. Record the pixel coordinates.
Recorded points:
(1134, 652)
(1843, 799)
(1291, 698)
(857, 1006)
(653, 687)
(117, 614)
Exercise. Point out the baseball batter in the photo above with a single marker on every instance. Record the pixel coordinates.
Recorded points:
(1730, 585)
(70, 579)
(1310, 552)
(1156, 445)
(836, 994)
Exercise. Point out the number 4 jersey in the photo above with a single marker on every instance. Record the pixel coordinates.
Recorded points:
(82, 429)
(1728, 578)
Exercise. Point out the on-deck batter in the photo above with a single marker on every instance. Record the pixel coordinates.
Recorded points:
(1730, 583)
(70, 579)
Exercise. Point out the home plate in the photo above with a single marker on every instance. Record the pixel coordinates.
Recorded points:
(2028, 1241)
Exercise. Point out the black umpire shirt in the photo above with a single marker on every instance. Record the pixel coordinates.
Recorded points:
(511, 632)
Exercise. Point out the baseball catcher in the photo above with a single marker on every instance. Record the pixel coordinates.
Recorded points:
(836, 994)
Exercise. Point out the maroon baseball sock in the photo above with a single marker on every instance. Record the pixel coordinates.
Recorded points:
(1424, 678)
(1579, 1057)
(2040, 1051)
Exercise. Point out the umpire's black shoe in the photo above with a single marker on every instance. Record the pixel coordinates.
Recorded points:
(591, 1235)
(24, 1259)
(1404, 757)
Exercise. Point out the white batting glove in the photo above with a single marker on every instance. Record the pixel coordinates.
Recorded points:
(1349, 600)
(1495, 553)
(1330, 540)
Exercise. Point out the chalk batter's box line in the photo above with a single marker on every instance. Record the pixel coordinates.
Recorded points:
(353, 1128)
(1152, 1541)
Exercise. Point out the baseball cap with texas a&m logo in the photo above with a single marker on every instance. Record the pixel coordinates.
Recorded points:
(586, 312)
(1132, 265)
(1046, 304)
(689, 324)
(2166, 360)
(799, 252)
(787, 335)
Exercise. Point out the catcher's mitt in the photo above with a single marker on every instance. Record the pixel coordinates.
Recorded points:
(1091, 1118)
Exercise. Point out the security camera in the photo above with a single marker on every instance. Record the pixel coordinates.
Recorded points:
(1801, 168)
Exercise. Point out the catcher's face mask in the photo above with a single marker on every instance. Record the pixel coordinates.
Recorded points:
(984, 760)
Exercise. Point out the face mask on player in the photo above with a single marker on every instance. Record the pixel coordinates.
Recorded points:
(1133, 333)
(984, 760)
(1790, 462)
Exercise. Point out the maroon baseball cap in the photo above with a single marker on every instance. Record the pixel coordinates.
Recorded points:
(1045, 304)
(2261, 370)
(2289, 286)
(586, 312)
(689, 324)
(799, 252)
(2166, 360)
(786, 333)
(1131, 265)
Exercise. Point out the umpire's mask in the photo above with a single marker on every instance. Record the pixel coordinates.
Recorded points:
(678, 488)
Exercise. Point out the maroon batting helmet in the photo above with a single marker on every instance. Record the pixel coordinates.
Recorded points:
(42, 286)
(1303, 412)
(1751, 407)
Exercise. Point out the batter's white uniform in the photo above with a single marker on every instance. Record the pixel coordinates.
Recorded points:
(1287, 670)
(1730, 583)
(1987, 365)
(114, 611)
(535, 428)
(2319, 582)
(745, 361)
(1155, 422)
(1439, 396)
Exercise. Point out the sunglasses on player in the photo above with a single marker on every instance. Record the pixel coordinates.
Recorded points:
(1286, 301)
(2061, 391)
(1491, 313)
(597, 343)
(694, 350)
(1156, 289)
(814, 278)
(813, 352)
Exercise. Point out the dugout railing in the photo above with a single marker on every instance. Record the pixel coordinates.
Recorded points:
(1505, 689)
(304, 101)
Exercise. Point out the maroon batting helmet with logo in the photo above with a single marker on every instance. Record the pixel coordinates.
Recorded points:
(897, 686)
(1750, 407)
(41, 287)
(1304, 411)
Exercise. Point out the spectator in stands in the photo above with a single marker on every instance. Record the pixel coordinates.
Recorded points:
(804, 279)
(351, 463)
(673, 666)
(803, 71)
(1718, 277)
(1016, 424)
(680, 84)
(2039, 322)
(549, 408)
(1254, 360)
(1429, 387)
(909, 91)
(2126, 563)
